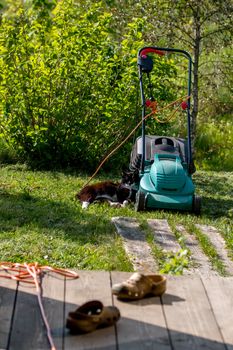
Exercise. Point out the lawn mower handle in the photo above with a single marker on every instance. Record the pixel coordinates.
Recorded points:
(162, 51)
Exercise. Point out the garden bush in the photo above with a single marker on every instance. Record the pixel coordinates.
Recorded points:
(69, 87)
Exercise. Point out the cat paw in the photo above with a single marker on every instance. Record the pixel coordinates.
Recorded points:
(115, 204)
(85, 205)
(125, 203)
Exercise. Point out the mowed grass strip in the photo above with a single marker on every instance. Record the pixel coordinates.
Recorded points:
(41, 221)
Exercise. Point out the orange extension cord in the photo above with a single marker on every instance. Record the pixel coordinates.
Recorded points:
(154, 111)
(31, 273)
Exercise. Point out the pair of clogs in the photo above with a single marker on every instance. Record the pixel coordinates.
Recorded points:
(94, 314)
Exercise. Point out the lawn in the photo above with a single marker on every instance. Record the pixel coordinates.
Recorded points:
(41, 221)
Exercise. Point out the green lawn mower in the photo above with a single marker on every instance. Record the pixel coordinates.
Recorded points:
(164, 163)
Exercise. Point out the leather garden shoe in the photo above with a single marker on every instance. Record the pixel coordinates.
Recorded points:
(90, 316)
(139, 286)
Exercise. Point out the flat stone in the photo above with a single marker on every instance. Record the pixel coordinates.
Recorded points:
(218, 242)
(163, 235)
(135, 245)
(201, 262)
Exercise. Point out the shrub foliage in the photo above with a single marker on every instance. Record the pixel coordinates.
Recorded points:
(69, 86)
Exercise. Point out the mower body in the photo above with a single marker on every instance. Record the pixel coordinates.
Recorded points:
(165, 182)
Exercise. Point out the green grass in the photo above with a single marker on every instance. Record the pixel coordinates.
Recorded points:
(40, 221)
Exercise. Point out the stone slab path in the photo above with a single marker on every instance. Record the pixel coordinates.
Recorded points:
(140, 254)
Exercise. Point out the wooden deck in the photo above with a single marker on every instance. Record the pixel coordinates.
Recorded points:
(195, 313)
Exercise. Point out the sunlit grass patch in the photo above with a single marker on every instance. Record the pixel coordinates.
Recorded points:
(40, 220)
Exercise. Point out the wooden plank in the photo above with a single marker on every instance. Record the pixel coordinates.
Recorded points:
(53, 301)
(28, 331)
(218, 242)
(142, 324)
(8, 289)
(202, 264)
(196, 313)
(163, 235)
(219, 291)
(92, 285)
(138, 250)
(189, 316)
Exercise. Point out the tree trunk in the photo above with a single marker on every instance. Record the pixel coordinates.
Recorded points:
(196, 53)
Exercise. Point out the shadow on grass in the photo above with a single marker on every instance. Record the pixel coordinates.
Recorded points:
(218, 183)
(216, 208)
(216, 192)
(23, 210)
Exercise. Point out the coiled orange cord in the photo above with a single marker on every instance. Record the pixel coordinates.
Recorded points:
(32, 273)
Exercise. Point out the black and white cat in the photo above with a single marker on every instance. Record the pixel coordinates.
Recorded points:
(117, 194)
